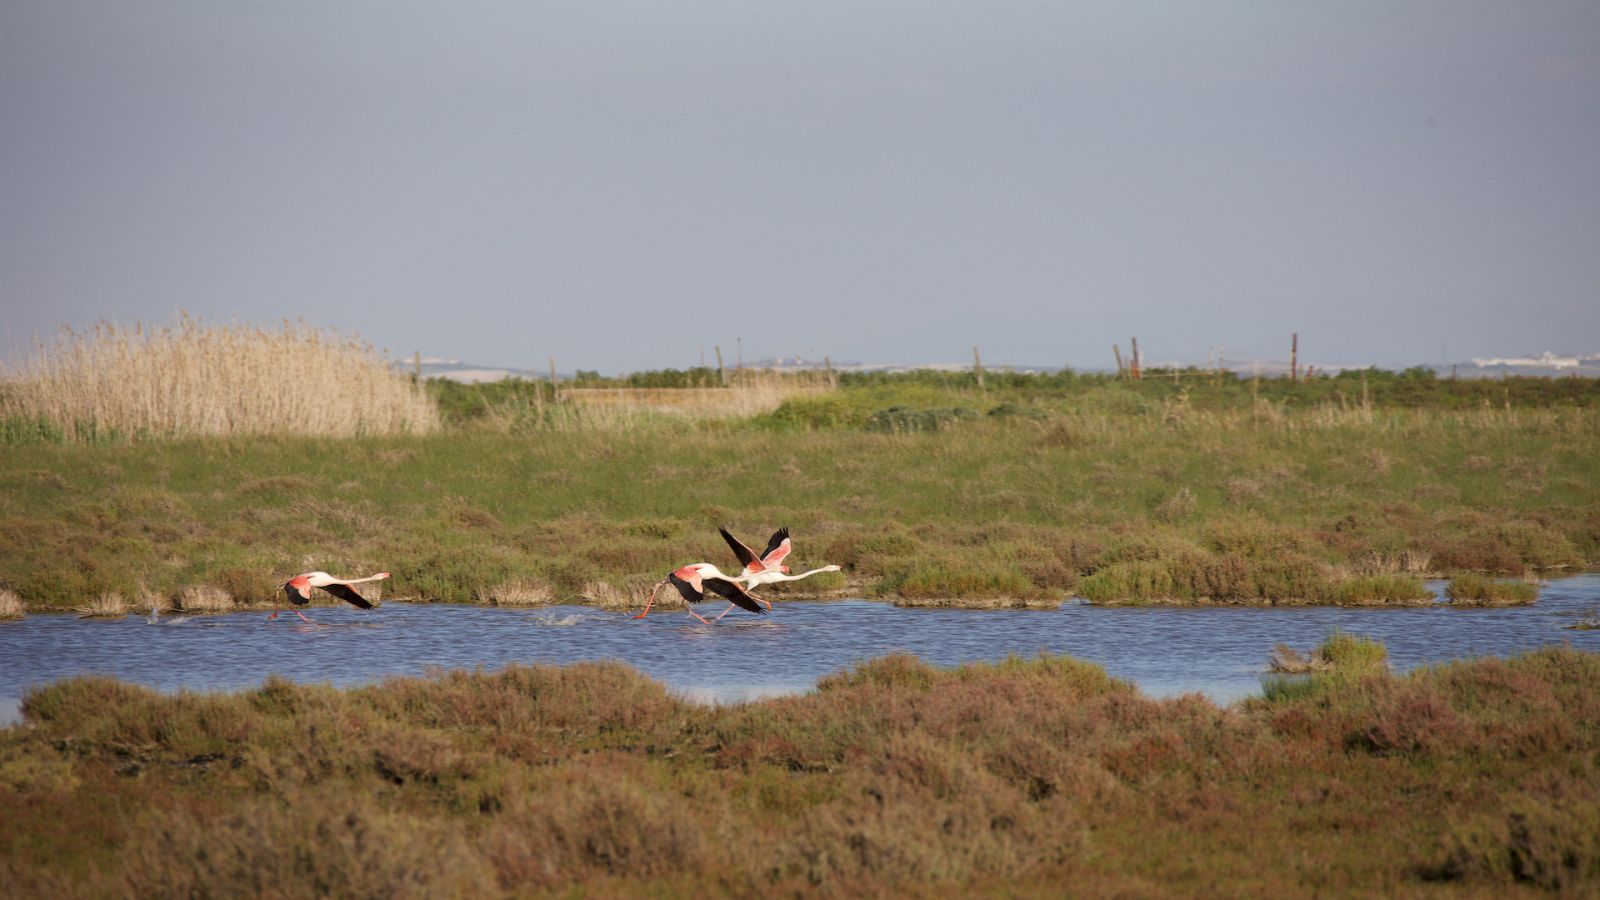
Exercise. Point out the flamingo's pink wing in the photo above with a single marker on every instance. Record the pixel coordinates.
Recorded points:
(690, 593)
(777, 548)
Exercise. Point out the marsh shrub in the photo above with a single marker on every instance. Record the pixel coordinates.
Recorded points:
(1372, 590)
(1351, 654)
(1471, 589)
(893, 778)
(194, 379)
(938, 580)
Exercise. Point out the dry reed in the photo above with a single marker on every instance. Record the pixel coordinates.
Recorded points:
(632, 595)
(747, 393)
(204, 598)
(195, 379)
(108, 605)
(518, 592)
(10, 605)
(153, 601)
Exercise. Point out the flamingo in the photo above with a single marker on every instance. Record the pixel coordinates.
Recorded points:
(768, 568)
(695, 579)
(299, 588)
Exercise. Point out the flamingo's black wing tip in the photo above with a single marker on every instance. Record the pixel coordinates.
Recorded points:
(735, 593)
(744, 554)
(348, 594)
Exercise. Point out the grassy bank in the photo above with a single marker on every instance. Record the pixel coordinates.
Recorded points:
(1141, 505)
(1476, 778)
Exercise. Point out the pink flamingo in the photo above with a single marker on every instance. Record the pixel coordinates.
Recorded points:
(299, 588)
(768, 568)
(695, 579)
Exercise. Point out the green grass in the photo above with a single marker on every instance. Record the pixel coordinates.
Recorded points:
(1472, 589)
(1118, 492)
(1475, 777)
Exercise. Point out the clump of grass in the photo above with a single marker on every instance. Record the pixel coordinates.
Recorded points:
(1181, 505)
(193, 379)
(630, 595)
(1340, 652)
(1471, 589)
(518, 592)
(1392, 589)
(944, 585)
(204, 598)
(1279, 576)
(11, 605)
(152, 601)
(1353, 655)
(106, 605)
(1340, 659)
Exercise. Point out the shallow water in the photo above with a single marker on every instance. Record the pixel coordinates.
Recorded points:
(1221, 652)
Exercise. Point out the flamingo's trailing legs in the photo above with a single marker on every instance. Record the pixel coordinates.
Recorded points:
(298, 590)
(768, 568)
(695, 580)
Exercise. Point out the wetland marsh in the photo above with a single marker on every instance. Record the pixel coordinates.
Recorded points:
(521, 745)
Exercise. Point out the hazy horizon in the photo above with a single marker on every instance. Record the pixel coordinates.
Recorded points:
(620, 185)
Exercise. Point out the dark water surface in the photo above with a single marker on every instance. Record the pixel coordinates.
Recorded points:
(1222, 652)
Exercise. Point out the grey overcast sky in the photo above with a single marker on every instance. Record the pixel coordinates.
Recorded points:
(621, 184)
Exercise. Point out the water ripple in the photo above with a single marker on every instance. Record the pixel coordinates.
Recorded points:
(1219, 652)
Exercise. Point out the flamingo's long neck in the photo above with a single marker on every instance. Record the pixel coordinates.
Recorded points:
(800, 576)
(359, 580)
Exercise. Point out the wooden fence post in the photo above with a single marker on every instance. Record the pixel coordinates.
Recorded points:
(1294, 356)
(1135, 370)
(722, 378)
(1121, 369)
(977, 367)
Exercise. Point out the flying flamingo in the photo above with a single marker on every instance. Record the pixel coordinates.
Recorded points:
(768, 568)
(299, 588)
(695, 579)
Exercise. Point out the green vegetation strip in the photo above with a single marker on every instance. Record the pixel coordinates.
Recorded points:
(1198, 489)
(890, 779)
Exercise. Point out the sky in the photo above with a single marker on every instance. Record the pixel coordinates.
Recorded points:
(629, 185)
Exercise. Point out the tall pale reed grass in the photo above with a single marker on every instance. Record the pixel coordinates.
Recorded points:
(195, 379)
(747, 393)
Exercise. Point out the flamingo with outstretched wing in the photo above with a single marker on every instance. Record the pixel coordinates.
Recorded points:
(695, 580)
(298, 590)
(768, 568)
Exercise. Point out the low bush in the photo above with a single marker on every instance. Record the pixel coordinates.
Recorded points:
(893, 777)
(1471, 589)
